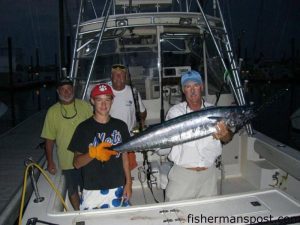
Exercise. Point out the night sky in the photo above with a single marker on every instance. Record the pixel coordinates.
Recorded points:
(34, 24)
(263, 25)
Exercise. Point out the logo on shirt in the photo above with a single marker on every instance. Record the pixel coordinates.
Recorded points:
(129, 103)
(115, 138)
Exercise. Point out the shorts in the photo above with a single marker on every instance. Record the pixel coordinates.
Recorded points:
(104, 198)
(73, 180)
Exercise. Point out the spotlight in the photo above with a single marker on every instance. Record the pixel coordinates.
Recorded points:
(185, 21)
(88, 49)
(121, 22)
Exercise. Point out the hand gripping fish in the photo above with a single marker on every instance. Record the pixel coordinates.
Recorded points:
(188, 127)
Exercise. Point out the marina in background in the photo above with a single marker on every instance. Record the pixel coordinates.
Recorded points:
(33, 91)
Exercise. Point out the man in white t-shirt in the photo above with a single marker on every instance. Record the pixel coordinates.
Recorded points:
(123, 106)
(193, 174)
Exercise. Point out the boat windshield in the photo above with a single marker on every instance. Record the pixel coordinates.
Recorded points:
(141, 49)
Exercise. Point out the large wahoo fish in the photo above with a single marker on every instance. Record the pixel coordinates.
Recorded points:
(188, 127)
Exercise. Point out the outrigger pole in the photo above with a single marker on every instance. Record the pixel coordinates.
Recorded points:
(97, 48)
(237, 87)
(62, 62)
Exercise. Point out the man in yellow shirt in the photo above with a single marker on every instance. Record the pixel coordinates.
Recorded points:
(60, 123)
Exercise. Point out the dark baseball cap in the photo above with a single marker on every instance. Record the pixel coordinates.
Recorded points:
(64, 81)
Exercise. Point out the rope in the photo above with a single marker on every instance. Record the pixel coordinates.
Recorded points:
(24, 189)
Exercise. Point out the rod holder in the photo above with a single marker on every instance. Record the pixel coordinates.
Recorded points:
(38, 198)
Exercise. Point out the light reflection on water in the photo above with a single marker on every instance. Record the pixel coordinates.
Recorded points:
(26, 103)
(274, 120)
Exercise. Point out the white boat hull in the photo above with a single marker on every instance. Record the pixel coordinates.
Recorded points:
(248, 194)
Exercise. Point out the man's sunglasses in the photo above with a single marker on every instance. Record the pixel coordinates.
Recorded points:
(119, 67)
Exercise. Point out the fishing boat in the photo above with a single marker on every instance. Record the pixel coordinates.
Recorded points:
(158, 40)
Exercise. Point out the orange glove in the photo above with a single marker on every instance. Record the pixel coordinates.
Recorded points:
(100, 152)
(132, 160)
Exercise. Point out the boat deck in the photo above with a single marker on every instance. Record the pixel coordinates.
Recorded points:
(16, 145)
(231, 185)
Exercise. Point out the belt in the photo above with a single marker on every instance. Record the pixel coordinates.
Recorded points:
(197, 168)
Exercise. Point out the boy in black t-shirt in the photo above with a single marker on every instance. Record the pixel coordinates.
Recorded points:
(106, 175)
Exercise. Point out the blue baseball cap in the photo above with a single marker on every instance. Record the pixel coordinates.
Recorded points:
(191, 76)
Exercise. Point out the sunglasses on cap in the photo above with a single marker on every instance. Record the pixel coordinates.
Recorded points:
(119, 67)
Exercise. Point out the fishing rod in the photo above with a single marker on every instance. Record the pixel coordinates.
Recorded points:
(140, 127)
(133, 91)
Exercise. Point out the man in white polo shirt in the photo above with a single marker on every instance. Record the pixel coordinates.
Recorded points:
(123, 106)
(193, 174)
